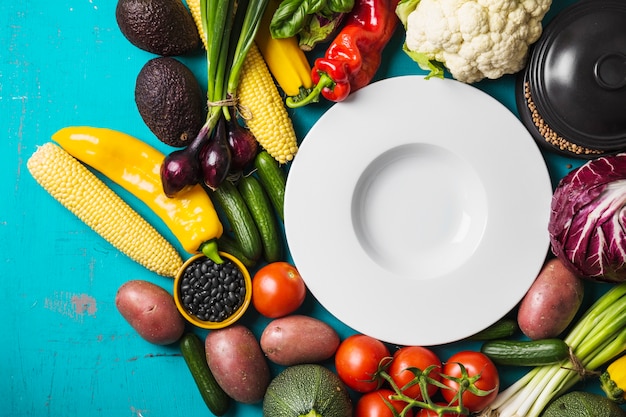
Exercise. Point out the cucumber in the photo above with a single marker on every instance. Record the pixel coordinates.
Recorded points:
(526, 353)
(229, 199)
(263, 214)
(499, 330)
(273, 179)
(213, 395)
(227, 244)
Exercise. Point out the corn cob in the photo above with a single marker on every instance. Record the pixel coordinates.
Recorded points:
(100, 208)
(268, 119)
(196, 13)
(261, 103)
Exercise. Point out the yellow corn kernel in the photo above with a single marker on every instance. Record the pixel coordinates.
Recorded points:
(99, 207)
(196, 13)
(265, 112)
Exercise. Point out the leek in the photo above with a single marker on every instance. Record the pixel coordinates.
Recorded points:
(597, 338)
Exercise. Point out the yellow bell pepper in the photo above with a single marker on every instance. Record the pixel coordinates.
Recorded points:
(135, 166)
(613, 380)
(285, 60)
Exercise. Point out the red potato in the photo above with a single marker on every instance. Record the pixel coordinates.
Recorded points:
(151, 311)
(237, 363)
(551, 303)
(298, 339)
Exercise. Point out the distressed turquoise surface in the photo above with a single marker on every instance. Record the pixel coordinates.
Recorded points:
(66, 351)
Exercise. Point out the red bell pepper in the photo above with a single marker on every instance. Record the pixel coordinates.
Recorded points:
(352, 59)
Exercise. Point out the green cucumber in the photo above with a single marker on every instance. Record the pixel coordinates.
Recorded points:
(229, 199)
(263, 214)
(213, 395)
(526, 353)
(273, 179)
(229, 245)
(501, 329)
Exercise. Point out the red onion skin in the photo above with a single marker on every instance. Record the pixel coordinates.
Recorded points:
(215, 157)
(181, 168)
(179, 171)
(242, 143)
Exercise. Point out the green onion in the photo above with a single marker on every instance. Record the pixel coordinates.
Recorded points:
(230, 27)
(598, 337)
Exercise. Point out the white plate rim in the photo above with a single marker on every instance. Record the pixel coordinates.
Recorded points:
(389, 305)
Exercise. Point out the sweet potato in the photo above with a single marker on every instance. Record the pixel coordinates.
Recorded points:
(298, 339)
(151, 311)
(237, 363)
(551, 303)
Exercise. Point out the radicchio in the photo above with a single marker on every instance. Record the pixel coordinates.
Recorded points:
(588, 219)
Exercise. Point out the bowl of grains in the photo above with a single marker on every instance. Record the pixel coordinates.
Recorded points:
(212, 295)
(572, 92)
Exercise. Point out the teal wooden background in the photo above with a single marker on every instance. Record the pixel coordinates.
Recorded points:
(66, 350)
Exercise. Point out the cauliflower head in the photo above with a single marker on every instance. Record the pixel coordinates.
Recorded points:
(473, 39)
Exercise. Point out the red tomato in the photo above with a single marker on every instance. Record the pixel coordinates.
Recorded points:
(429, 413)
(277, 290)
(414, 357)
(357, 361)
(376, 404)
(477, 365)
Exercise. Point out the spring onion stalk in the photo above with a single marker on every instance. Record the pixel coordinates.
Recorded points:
(230, 27)
(598, 337)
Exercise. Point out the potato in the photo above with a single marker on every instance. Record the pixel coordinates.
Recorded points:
(297, 339)
(551, 303)
(237, 363)
(151, 311)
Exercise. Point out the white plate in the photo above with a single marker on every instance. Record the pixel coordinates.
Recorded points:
(417, 210)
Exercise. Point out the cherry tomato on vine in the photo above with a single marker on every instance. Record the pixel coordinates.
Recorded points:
(357, 361)
(277, 289)
(430, 413)
(376, 404)
(414, 357)
(479, 368)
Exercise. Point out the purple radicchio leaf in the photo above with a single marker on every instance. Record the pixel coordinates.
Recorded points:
(588, 219)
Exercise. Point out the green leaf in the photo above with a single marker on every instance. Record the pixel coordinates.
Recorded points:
(405, 8)
(434, 68)
(340, 6)
(289, 18)
(318, 30)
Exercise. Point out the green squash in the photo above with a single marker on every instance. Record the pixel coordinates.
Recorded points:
(307, 390)
(583, 404)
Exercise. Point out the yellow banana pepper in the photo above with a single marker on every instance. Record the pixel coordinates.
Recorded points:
(613, 380)
(135, 166)
(285, 60)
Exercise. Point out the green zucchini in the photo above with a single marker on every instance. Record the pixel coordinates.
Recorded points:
(499, 330)
(273, 179)
(263, 214)
(213, 395)
(526, 353)
(228, 244)
(229, 199)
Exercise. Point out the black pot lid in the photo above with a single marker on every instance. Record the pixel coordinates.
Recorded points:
(572, 94)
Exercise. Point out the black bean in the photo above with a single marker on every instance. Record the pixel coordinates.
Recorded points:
(212, 291)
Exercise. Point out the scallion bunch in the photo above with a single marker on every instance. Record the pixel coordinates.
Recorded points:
(229, 27)
(598, 337)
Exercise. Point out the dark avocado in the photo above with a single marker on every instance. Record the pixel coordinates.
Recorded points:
(162, 27)
(170, 100)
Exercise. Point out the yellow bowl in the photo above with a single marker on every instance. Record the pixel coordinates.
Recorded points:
(232, 318)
